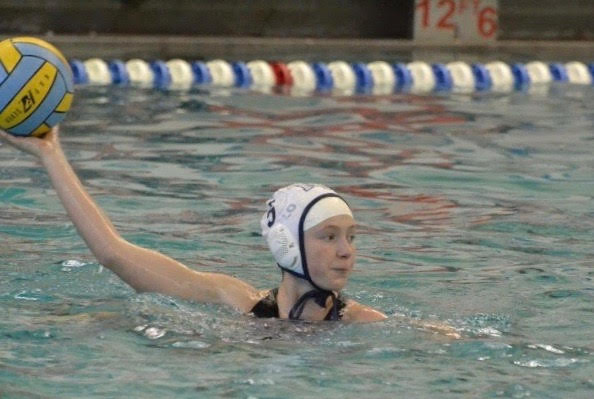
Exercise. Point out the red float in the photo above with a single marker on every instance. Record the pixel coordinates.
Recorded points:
(282, 74)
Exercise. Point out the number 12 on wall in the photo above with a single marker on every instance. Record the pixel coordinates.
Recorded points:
(449, 20)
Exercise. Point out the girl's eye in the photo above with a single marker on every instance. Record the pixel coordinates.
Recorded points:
(352, 238)
(330, 237)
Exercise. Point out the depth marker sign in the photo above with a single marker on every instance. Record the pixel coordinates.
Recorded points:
(445, 21)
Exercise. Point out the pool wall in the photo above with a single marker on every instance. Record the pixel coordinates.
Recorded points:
(233, 29)
(518, 19)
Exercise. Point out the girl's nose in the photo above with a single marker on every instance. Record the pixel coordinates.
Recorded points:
(345, 248)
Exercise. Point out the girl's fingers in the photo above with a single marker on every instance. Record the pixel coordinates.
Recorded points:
(9, 138)
(31, 145)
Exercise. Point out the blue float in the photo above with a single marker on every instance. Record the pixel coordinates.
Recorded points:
(162, 77)
(443, 77)
(201, 73)
(243, 76)
(364, 78)
(404, 79)
(119, 73)
(482, 77)
(558, 72)
(79, 72)
(521, 76)
(324, 80)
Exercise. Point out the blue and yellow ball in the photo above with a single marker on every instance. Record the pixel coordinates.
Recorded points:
(36, 86)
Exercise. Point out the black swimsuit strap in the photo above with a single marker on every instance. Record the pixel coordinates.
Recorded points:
(320, 297)
(268, 306)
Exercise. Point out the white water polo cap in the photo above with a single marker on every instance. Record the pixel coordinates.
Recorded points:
(291, 211)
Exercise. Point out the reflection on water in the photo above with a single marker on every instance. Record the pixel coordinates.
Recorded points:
(473, 210)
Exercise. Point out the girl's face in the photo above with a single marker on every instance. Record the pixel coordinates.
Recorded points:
(330, 251)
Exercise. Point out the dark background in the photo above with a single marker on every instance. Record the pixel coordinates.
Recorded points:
(376, 19)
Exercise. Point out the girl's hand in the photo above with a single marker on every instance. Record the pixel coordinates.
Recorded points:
(34, 145)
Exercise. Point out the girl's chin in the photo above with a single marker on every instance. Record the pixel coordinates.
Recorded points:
(337, 285)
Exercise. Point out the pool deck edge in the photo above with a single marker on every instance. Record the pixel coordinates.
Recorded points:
(247, 48)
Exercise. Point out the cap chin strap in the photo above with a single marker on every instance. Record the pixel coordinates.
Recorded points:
(320, 298)
(318, 294)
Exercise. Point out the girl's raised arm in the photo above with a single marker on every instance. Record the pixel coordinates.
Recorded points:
(143, 269)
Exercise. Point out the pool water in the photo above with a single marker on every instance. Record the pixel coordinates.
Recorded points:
(474, 210)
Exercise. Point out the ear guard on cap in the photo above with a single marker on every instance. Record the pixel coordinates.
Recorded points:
(284, 248)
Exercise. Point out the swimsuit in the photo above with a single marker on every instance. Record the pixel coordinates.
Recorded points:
(268, 306)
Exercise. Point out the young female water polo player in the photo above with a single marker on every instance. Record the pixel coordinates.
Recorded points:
(309, 229)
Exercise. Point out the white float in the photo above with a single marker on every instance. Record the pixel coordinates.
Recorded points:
(221, 73)
(462, 77)
(423, 77)
(140, 72)
(98, 71)
(577, 73)
(182, 76)
(383, 77)
(262, 75)
(539, 73)
(501, 76)
(343, 76)
(304, 78)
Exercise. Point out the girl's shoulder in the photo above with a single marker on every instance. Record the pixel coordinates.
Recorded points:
(356, 312)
